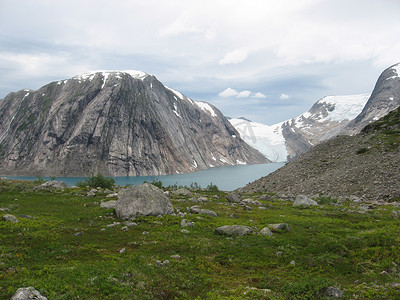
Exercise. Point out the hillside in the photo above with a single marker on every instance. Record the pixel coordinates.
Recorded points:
(119, 123)
(365, 165)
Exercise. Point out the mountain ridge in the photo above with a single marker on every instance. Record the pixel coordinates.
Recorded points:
(117, 124)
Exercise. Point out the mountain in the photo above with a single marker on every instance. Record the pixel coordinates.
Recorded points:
(385, 98)
(286, 140)
(365, 165)
(119, 123)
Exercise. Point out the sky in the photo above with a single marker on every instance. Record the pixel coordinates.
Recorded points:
(265, 60)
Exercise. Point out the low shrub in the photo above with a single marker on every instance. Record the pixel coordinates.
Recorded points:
(97, 181)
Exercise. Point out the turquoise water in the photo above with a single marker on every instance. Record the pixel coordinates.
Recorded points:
(226, 178)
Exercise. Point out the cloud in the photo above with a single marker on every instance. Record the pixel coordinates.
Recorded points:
(234, 57)
(228, 93)
(244, 94)
(259, 95)
(285, 96)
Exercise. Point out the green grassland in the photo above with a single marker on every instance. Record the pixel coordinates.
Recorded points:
(63, 247)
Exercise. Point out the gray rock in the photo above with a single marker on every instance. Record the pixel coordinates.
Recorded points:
(10, 218)
(108, 204)
(266, 231)
(52, 185)
(279, 227)
(27, 294)
(4, 209)
(250, 201)
(182, 192)
(186, 223)
(130, 224)
(234, 230)
(202, 199)
(234, 197)
(113, 195)
(197, 210)
(333, 292)
(304, 200)
(90, 194)
(142, 200)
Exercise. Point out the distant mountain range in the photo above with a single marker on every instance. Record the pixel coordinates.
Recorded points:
(119, 123)
(327, 118)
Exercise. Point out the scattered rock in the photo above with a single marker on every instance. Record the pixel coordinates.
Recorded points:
(122, 250)
(202, 199)
(52, 185)
(78, 234)
(142, 200)
(182, 192)
(130, 224)
(175, 256)
(113, 224)
(234, 197)
(266, 231)
(162, 263)
(28, 293)
(197, 210)
(395, 214)
(185, 231)
(279, 227)
(4, 209)
(186, 223)
(113, 195)
(250, 201)
(10, 218)
(333, 292)
(234, 230)
(125, 228)
(304, 200)
(293, 263)
(108, 204)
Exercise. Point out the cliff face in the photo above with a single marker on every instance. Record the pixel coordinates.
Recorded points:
(385, 98)
(117, 123)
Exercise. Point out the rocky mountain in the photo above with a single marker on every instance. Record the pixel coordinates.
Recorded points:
(365, 166)
(385, 98)
(118, 123)
(286, 140)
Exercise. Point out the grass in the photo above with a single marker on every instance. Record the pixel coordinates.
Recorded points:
(331, 245)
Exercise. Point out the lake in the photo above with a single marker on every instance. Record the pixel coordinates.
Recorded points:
(226, 178)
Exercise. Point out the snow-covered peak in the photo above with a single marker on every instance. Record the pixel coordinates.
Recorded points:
(105, 73)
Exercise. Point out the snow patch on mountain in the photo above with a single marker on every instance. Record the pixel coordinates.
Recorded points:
(206, 107)
(396, 69)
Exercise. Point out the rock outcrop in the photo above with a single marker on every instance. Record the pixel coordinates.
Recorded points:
(116, 123)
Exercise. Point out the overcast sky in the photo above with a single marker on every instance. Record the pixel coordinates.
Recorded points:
(266, 60)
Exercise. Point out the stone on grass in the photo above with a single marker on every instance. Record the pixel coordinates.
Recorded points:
(234, 197)
(142, 200)
(182, 192)
(279, 227)
(108, 204)
(113, 195)
(234, 230)
(250, 201)
(10, 218)
(304, 200)
(28, 293)
(266, 231)
(186, 223)
(52, 185)
(197, 210)
(333, 292)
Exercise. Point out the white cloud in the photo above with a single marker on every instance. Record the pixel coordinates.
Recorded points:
(259, 95)
(285, 96)
(234, 57)
(244, 94)
(228, 93)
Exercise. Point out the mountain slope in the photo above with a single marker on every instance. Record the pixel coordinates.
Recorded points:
(288, 139)
(385, 98)
(115, 122)
(365, 165)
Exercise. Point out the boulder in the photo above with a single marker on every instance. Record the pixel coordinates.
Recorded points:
(279, 227)
(52, 185)
(27, 293)
(304, 200)
(334, 292)
(186, 223)
(182, 192)
(234, 230)
(234, 197)
(266, 231)
(142, 200)
(108, 204)
(197, 210)
(250, 201)
(10, 218)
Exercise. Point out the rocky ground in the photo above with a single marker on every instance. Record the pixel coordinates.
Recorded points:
(365, 166)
